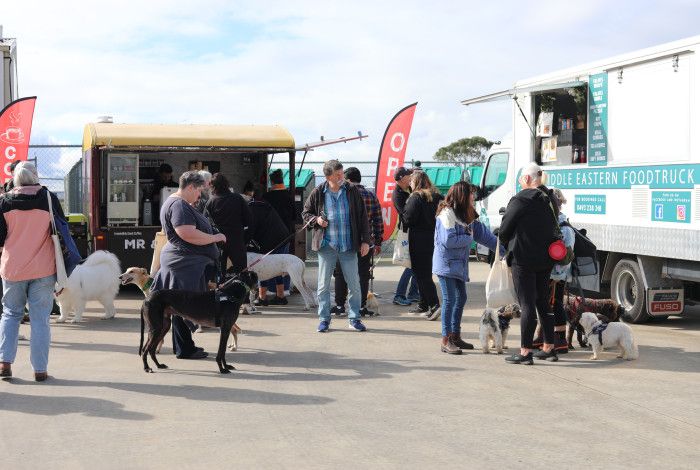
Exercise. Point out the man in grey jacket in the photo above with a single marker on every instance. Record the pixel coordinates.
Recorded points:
(340, 231)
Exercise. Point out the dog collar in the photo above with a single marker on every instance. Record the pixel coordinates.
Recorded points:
(147, 285)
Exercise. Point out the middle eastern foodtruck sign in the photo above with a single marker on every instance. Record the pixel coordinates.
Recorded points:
(598, 120)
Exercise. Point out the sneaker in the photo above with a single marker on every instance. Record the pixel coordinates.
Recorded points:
(323, 326)
(403, 301)
(434, 313)
(357, 325)
(279, 301)
(364, 312)
(413, 300)
(418, 309)
(338, 310)
(197, 354)
(550, 356)
(258, 302)
(520, 359)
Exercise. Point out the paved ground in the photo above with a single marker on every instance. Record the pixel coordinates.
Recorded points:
(382, 399)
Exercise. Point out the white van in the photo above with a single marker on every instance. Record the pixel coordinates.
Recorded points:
(621, 139)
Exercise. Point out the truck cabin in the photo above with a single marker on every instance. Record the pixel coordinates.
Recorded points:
(130, 169)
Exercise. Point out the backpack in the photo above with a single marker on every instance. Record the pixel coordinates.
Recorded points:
(585, 262)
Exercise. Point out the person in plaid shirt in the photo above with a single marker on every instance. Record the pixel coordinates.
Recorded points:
(364, 263)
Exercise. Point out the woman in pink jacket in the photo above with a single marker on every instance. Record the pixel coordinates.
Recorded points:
(27, 268)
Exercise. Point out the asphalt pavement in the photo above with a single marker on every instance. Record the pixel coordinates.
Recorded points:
(386, 398)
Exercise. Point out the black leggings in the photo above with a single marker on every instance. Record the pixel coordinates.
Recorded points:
(558, 288)
(532, 289)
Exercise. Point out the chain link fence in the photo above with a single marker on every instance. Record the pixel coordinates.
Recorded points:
(54, 164)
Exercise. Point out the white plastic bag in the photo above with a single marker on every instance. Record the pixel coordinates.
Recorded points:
(401, 254)
(500, 290)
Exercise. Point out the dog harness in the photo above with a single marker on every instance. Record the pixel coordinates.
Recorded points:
(503, 322)
(598, 329)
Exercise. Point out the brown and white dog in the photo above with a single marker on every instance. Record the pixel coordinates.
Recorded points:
(141, 279)
(606, 310)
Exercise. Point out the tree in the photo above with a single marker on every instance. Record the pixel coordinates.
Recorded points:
(465, 152)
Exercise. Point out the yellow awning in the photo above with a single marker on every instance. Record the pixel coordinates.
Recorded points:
(186, 135)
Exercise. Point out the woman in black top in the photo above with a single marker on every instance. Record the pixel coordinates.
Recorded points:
(230, 215)
(419, 216)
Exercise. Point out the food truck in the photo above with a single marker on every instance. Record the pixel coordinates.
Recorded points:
(620, 138)
(120, 171)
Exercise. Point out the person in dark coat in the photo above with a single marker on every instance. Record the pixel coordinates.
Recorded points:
(528, 228)
(282, 200)
(231, 216)
(267, 231)
(407, 281)
(419, 214)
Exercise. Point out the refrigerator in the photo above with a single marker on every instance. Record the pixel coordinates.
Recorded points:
(123, 189)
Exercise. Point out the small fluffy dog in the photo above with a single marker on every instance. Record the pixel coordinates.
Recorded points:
(140, 278)
(97, 278)
(372, 303)
(494, 326)
(607, 310)
(609, 335)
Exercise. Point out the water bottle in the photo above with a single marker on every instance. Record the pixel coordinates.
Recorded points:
(147, 212)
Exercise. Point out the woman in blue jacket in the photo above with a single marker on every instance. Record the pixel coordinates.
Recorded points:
(455, 229)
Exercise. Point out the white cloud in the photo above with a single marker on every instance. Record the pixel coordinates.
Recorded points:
(319, 68)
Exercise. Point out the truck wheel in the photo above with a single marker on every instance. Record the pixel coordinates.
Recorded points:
(627, 289)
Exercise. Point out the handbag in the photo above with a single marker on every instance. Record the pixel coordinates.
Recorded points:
(61, 276)
(401, 256)
(500, 289)
(68, 250)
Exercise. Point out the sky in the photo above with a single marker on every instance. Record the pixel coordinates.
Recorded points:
(315, 67)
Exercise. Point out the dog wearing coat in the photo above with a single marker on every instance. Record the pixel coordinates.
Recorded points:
(494, 326)
(609, 335)
(217, 308)
(97, 278)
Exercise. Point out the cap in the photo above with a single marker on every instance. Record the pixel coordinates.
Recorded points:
(401, 172)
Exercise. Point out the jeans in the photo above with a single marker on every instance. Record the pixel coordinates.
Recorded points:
(364, 264)
(454, 297)
(38, 293)
(327, 258)
(406, 277)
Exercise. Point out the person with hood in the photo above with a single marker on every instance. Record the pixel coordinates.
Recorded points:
(455, 229)
(527, 229)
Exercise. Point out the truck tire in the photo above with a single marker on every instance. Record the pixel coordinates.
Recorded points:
(627, 289)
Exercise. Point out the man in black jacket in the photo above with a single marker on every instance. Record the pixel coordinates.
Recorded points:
(402, 190)
(527, 229)
(340, 231)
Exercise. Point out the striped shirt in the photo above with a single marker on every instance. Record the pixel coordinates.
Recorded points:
(338, 234)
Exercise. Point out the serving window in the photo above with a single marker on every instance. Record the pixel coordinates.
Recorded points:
(561, 132)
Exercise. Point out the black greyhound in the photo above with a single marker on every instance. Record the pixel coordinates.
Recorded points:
(217, 308)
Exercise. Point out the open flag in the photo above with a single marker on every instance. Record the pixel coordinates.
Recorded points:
(391, 156)
(15, 129)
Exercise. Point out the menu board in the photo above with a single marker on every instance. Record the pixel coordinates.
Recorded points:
(598, 120)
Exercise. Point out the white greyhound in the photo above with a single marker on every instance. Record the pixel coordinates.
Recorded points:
(278, 265)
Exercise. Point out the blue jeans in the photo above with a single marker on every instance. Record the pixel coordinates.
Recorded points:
(15, 295)
(454, 296)
(406, 277)
(327, 258)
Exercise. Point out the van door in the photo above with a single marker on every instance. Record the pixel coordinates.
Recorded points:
(494, 194)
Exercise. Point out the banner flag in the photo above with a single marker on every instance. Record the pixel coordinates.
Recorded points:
(15, 129)
(391, 156)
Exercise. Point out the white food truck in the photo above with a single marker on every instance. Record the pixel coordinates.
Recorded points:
(621, 139)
